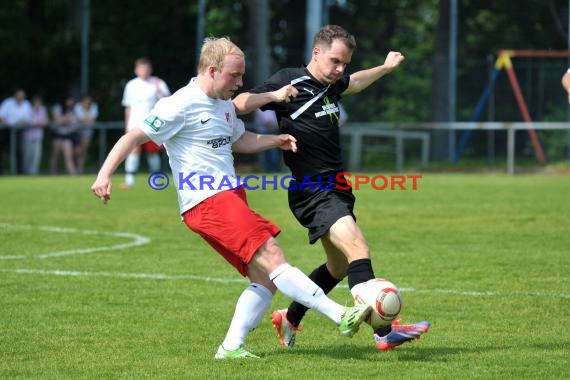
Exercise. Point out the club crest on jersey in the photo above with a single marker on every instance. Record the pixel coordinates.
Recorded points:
(154, 122)
(228, 117)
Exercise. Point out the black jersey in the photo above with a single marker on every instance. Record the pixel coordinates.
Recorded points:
(312, 118)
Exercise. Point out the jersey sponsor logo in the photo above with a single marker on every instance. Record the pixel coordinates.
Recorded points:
(329, 109)
(204, 121)
(154, 122)
(219, 142)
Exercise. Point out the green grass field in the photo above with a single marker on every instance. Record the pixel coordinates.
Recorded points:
(485, 258)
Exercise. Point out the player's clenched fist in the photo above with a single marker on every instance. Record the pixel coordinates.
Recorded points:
(393, 59)
(285, 94)
(102, 189)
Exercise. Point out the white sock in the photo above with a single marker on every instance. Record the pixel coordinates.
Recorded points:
(250, 309)
(297, 286)
(132, 162)
(131, 167)
(153, 161)
(130, 179)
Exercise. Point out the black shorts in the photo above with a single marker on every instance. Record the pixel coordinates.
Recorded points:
(60, 136)
(320, 205)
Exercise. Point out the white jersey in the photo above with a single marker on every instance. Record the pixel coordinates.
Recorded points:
(141, 95)
(197, 132)
(82, 113)
(15, 113)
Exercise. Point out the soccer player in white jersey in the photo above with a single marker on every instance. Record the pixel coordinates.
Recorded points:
(140, 95)
(566, 82)
(199, 129)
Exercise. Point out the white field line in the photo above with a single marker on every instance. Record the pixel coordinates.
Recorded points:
(143, 276)
(135, 240)
(162, 276)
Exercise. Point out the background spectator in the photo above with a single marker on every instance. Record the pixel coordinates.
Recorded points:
(33, 137)
(15, 112)
(266, 123)
(64, 132)
(139, 97)
(86, 112)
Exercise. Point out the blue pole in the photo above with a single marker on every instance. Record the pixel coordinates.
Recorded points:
(85, 19)
(200, 26)
(475, 115)
(313, 22)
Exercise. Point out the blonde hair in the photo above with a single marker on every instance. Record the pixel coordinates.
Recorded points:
(213, 52)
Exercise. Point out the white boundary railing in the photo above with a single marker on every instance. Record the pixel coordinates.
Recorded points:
(401, 131)
(358, 132)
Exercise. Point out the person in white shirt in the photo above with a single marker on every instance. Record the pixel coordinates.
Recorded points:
(200, 130)
(566, 82)
(16, 113)
(139, 96)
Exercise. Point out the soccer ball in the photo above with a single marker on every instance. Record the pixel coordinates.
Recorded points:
(384, 297)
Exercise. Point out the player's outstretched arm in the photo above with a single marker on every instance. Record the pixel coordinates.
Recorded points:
(247, 102)
(364, 78)
(102, 186)
(253, 143)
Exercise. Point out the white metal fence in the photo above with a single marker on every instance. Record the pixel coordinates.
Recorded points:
(357, 133)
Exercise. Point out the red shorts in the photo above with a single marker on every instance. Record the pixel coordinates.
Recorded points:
(151, 147)
(227, 223)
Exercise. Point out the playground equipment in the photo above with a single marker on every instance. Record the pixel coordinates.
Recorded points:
(504, 61)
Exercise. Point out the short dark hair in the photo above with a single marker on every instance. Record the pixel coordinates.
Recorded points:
(143, 61)
(328, 33)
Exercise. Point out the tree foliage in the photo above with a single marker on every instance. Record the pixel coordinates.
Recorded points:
(40, 51)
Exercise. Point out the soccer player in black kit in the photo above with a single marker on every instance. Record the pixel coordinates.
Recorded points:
(318, 195)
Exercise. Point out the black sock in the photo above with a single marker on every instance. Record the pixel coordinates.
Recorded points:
(320, 276)
(383, 331)
(359, 271)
